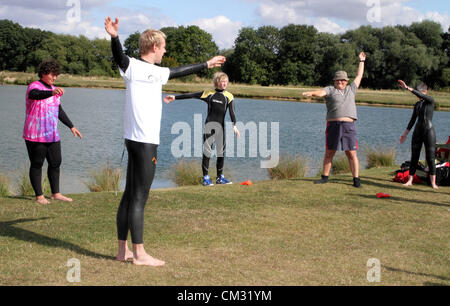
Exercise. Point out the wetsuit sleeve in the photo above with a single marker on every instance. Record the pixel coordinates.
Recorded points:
(62, 116)
(232, 113)
(37, 94)
(413, 119)
(121, 59)
(195, 95)
(427, 99)
(186, 70)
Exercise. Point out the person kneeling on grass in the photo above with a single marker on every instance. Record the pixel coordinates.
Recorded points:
(219, 101)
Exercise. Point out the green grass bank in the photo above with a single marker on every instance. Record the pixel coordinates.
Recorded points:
(388, 98)
(283, 232)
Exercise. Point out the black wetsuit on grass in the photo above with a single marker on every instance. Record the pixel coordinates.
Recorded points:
(423, 132)
(219, 101)
(141, 162)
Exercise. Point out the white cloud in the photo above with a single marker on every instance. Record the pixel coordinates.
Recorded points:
(336, 17)
(223, 30)
(326, 25)
(53, 16)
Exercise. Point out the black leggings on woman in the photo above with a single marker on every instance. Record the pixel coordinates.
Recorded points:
(428, 138)
(140, 173)
(38, 152)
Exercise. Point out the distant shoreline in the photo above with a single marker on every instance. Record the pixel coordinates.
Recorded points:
(366, 97)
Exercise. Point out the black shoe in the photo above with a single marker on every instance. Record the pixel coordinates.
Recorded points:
(323, 180)
(357, 182)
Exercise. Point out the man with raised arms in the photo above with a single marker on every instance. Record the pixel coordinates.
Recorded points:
(142, 122)
(341, 117)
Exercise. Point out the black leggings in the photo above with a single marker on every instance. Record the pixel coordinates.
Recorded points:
(38, 152)
(140, 174)
(428, 138)
(208, 140)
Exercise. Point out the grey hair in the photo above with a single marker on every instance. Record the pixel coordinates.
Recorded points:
(422, 87)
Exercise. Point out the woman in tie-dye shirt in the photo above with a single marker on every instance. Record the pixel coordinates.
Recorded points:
(43, 110)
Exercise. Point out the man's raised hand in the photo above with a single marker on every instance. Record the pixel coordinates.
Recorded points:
(112, 27)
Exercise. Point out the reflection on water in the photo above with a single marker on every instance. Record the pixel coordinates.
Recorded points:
(97, 113)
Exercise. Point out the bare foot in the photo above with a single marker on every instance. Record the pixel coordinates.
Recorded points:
(60, 197)
(42, 200)
(147, 260)
(407, 184)
(435, 187)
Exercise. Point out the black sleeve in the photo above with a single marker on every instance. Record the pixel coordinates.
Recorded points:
(413, 119)
(37, 94)
(232, 114)
(427, 99)
(63, 118)
(186, 70)
(121, 59)
(195, 95)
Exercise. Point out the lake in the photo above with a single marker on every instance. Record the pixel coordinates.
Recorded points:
(97, 113)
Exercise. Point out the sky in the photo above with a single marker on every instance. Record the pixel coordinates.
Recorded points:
(222, 19)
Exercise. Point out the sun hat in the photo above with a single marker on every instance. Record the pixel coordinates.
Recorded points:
(340, 75)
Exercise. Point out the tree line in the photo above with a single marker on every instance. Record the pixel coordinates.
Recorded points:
(292, 55)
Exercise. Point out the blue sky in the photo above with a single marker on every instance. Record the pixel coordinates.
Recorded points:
(222, 19)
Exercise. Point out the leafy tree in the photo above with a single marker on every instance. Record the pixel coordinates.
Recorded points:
(296, 55)
(131, 45)
(188, 45)
(254, 58)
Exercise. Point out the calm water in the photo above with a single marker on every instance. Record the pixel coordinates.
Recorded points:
(97, 113)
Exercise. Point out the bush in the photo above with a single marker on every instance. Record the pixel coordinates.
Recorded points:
(289, 167)
(25, 188)
(5, 189)
(106, 179)
(340, 164)
(380, 157)
(188, 173)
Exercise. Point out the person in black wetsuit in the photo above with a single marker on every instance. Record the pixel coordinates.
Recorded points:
(423, 132)
(219, 101)
(43, 110)
(142, 122)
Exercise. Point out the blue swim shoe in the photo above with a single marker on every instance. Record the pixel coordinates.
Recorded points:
(221, 180)
(207, 181)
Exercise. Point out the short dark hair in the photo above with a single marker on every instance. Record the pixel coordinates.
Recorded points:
(422, 87)
(49, 66)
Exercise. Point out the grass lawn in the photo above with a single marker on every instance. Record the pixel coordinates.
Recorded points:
(288, 232)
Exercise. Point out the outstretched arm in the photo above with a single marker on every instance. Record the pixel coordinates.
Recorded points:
(316, 93)
(195, 95)
(177, 72)
(417, 93)
(360, 73)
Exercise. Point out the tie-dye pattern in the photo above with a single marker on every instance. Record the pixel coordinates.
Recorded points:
(41, 116)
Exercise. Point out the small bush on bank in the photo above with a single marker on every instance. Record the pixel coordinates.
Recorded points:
(380, 157)
(289, 166)
(107, 178)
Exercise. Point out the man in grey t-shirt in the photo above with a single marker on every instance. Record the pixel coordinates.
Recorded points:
(341, 117)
